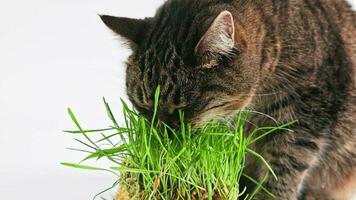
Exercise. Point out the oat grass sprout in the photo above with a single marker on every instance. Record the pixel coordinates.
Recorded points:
(153, 161)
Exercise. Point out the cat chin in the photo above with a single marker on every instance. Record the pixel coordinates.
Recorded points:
(223, 113)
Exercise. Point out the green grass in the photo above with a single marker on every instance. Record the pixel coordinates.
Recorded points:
(154, 161)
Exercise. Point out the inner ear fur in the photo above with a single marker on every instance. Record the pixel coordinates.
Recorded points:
(220, 37)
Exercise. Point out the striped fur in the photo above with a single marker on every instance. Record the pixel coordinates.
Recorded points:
(291, 60)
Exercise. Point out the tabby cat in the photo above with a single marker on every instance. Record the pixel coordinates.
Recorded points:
(285, 59)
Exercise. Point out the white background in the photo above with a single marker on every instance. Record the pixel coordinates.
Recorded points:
(55, 54)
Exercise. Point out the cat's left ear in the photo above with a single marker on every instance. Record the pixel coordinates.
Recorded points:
(131, 29)
(220, 37)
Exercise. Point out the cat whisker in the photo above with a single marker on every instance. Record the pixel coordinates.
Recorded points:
(266, 94)
(260, 113)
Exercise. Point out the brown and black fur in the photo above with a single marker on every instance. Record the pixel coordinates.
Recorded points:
(291, 60)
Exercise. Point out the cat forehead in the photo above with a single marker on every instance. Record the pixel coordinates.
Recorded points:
(175, 31)
(176, 24)
(161, 56)
(166, 50)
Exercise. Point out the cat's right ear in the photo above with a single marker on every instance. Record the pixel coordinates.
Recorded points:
(131, 29)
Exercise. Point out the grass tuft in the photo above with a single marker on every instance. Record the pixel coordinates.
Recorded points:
(153, 161)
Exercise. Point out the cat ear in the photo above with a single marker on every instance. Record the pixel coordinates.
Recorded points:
(220, 37)
(130, 29)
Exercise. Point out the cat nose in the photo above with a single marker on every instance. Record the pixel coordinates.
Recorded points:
(170, 116)
(171, 120)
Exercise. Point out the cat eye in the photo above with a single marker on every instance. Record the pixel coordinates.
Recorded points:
(221, 61)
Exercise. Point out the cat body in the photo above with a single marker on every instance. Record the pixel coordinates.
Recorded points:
(284, 59)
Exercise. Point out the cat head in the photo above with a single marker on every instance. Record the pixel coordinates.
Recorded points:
(198, 56)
